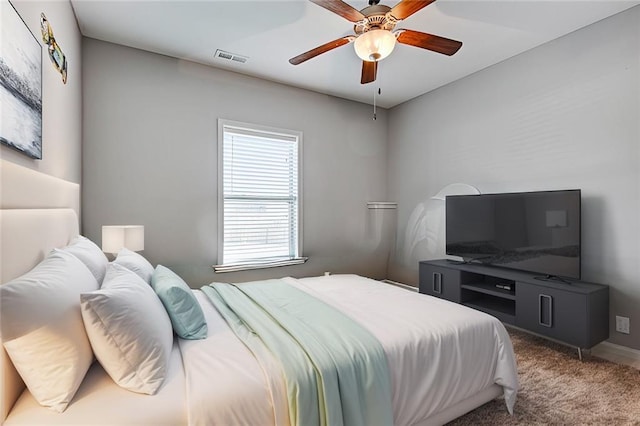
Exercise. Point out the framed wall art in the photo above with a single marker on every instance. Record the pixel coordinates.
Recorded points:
(20, 84)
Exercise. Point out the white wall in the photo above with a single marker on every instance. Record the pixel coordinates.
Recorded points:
(61, 103)
(150, 158)
(564, 115)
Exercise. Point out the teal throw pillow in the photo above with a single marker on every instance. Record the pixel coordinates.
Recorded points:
(184, 311)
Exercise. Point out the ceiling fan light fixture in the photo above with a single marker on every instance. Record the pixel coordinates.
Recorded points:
(375, 45)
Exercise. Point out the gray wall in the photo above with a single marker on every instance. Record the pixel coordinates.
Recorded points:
(61, 103)
(150, 158)
(564, 115)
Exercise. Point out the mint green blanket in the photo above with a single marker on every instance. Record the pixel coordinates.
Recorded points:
(335, 371)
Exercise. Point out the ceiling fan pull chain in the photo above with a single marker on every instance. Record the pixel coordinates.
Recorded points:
(378, 92)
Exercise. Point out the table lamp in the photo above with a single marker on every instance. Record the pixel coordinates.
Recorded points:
(116, 237)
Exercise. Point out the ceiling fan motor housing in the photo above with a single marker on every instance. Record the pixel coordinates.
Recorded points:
(376, 18)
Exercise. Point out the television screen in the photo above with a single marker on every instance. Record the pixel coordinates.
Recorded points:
(531, 231)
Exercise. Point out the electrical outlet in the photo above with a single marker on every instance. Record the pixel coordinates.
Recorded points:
(622, 324)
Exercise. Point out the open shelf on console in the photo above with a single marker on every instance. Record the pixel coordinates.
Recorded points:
(483, 294)
(503, 309)
(491, 289)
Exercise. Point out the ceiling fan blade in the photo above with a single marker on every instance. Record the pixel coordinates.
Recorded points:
(340, 8)
(320, 50)
(406, 8)
(369, 70)
(429, 41)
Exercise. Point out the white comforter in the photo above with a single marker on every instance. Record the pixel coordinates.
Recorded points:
(439, 354)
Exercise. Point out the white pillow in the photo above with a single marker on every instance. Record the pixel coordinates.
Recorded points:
(90, 254)
(129, 330)
(42, 327)
(135, 262)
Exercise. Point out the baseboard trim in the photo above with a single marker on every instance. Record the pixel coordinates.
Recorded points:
(617, 353)
(405, 286)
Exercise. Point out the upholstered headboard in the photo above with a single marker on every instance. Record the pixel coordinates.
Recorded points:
(38, 212)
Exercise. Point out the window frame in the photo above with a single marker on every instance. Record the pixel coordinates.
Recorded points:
(256, 129)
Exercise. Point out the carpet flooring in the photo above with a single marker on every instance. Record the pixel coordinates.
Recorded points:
(556, 388)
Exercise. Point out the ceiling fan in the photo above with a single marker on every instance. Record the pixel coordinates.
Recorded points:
(374, 37)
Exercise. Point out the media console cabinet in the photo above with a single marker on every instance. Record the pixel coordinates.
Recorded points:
(576, 314)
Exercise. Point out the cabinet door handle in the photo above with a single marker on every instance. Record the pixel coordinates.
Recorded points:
(545, 310)
(437, 282)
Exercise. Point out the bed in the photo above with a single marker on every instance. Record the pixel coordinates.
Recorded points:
(444, 359)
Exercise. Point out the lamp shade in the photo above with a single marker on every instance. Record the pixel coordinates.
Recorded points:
(117, 237)
(375, 45)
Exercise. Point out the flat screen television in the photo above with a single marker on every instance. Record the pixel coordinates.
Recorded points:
(537, 232)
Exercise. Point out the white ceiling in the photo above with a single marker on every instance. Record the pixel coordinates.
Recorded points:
(270, 32)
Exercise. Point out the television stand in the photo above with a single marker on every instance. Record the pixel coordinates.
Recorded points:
(553, 278)
(576, 314)
(468, 260)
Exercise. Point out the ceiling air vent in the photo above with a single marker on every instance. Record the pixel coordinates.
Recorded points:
(228, 56)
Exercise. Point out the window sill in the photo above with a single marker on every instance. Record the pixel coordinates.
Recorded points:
(218, 269)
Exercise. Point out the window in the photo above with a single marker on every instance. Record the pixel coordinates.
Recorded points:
(259, 205)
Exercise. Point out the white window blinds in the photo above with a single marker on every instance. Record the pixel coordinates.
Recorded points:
(260, 197)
